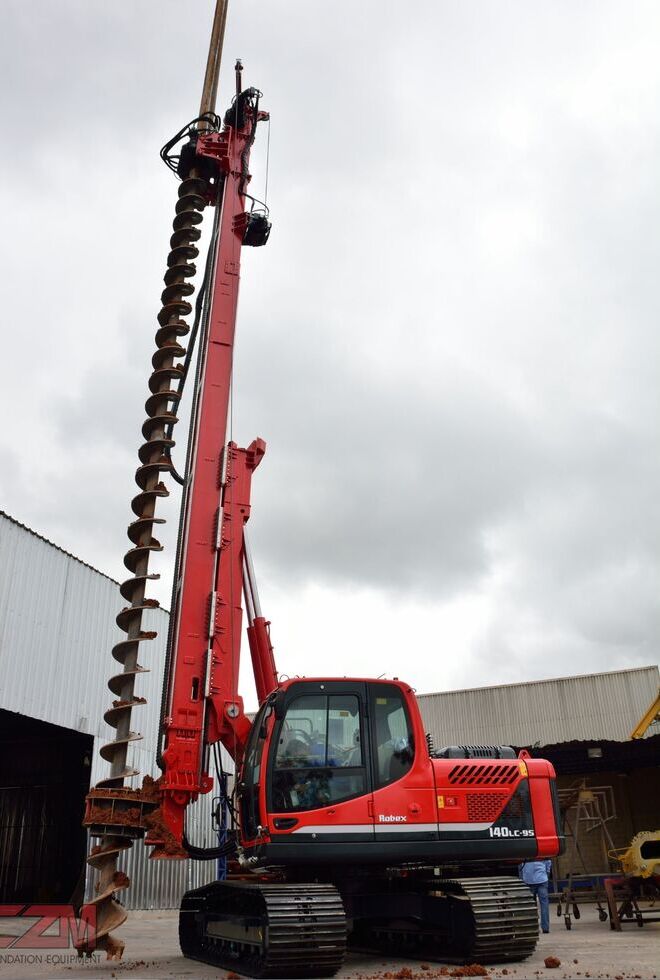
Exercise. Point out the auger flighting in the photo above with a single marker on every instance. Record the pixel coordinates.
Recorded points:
(116, 813)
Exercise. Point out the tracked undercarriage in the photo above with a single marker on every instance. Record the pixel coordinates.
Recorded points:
(278, 929)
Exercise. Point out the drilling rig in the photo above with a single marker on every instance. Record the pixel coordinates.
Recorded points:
(348, 827)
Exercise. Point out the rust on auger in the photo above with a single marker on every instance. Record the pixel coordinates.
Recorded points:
(116, 813)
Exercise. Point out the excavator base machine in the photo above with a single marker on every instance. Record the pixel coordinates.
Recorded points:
(362, 837)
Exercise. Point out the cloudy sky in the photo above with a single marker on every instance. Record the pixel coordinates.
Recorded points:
(450, 343)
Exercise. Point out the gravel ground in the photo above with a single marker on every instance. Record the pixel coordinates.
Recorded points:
(589, 950)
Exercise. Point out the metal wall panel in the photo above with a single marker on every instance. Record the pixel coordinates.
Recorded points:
(590, 707)
(57, 628)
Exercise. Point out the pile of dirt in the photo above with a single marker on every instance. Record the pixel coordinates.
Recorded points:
(405, 973)
(159, 833)
(471, 970)
(131, 816)
(150, 790)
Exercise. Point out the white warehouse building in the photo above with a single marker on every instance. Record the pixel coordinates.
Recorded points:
(57, 628)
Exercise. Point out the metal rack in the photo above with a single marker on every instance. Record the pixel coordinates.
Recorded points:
(585, 810)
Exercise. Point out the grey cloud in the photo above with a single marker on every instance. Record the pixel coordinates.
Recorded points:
(450, 342)
(378, 482)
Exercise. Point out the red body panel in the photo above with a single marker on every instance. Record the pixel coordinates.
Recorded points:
(541, 775)
(463, 800)
(412, 797)
(442, 799)
(351, 816)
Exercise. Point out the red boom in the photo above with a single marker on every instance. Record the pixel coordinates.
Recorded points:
(203, 705)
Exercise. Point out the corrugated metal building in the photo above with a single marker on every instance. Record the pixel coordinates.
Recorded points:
(582, 725)
(565, 709)
(57, 627)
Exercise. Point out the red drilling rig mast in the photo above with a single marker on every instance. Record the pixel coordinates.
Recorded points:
(200, 704)
(358, 830)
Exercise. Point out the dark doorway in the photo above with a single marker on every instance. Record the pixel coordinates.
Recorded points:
(44, 776)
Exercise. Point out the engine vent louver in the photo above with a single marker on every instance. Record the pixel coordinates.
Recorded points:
(476, 775)
(485, 807)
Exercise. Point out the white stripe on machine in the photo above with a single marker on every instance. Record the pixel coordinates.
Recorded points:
(406, 828)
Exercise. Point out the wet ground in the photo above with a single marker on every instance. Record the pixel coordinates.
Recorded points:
(590, 950)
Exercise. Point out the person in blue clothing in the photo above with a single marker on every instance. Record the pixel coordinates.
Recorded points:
(535, 874)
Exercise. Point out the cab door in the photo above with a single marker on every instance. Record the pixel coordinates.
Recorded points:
(320, 783)
(404, 799)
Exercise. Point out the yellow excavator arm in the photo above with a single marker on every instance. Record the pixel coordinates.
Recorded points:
(647, 719)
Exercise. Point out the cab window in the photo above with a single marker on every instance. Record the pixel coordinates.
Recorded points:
(393, 737)
(318, 755)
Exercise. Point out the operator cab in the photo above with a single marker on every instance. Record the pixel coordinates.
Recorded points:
(318, 753)
(324, 743)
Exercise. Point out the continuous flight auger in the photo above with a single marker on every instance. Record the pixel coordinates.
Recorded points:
(115, 813)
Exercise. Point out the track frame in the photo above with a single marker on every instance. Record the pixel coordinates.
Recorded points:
(263, 928)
